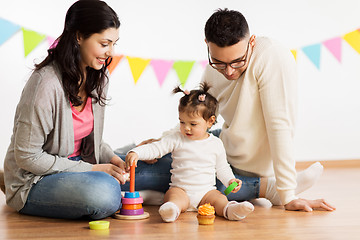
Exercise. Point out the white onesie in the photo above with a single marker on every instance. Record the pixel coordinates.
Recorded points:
(195, 165)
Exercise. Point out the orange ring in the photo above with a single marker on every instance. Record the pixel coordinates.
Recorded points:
(131, 206)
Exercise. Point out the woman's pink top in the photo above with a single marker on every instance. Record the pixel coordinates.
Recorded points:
(83, 125)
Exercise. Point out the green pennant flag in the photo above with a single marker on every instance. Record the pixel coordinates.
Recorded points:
(183, 69)
(31, 40)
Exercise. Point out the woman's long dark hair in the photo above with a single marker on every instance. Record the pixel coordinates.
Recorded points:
(84, 18)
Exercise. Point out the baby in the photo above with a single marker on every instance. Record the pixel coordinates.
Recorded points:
(198, 158)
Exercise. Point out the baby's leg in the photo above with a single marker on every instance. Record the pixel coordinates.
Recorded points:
(230, 210)
(216, 199)
(176, 201)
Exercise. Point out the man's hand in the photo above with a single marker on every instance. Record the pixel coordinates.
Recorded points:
(309, 205)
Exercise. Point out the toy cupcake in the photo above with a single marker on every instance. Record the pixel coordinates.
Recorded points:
(206, 214)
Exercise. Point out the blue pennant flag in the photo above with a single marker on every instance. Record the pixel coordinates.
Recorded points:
(313, 53)
(7, 30)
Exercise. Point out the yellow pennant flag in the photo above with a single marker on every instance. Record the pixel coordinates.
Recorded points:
(353, 39)
(137, 66)
(294, 52)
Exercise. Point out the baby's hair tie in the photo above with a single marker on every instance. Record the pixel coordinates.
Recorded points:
(202, 97)
(186, 92)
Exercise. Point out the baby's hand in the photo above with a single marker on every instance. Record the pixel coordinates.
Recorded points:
(237, 188)
(130, 159)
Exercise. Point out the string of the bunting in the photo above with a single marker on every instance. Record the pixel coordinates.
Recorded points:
(333, 45)
(32, 39)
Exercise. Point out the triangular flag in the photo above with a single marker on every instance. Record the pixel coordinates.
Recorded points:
(31, 40)
(7, 30)
(353, 38)
(204, 63)
(183, 69)
(161, 68)
(334, 46)
(313, 53)
(51, 41)
(137, 66)
(115, 61)
(294, 52)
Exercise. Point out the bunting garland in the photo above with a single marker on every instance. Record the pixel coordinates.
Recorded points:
(115, 61)
(8, 29)
(313, 52)
(32, 39)
(137, 66)
(183, 69)
(334, 46)
(294, 52)
(353, 39)
(161, 68)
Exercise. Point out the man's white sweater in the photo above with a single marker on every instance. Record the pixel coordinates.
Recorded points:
(259, 115)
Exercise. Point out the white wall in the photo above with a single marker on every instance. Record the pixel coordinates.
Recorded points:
(329, 103)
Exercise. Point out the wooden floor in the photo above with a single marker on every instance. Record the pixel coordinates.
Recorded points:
(339, 185)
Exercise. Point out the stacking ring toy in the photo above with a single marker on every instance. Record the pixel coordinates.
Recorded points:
(131, 212)
(230, 188)
(132, 195)
(131, 202)
(99, 225)
(131, 206)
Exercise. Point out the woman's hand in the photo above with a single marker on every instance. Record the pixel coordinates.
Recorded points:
(237, 188)
(115, 168)
(130, 159)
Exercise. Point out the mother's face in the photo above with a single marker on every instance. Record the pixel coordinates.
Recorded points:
(97, 48)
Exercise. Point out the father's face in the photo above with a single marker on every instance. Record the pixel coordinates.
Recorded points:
(233, 60)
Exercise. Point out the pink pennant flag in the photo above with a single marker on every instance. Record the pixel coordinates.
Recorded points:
(51, 41)
(334, 46)
(161, 68)
(204, 63)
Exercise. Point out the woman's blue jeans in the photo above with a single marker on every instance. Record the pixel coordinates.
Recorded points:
(72, 195)
(157, 177)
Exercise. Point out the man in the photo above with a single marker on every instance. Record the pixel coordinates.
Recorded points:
(254, 80)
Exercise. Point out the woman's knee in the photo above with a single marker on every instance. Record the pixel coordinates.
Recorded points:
(104, 192)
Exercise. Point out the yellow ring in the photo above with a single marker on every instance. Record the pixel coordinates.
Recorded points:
(99, 225)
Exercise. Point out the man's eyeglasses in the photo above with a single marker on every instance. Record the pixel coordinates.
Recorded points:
(234, 64)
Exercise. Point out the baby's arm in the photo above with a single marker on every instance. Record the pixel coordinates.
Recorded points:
(157, 149)
(223, 170)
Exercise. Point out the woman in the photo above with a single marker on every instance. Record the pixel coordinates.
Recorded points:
(57, 164)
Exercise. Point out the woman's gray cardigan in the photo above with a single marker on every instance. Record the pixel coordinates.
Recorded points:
(43, 137)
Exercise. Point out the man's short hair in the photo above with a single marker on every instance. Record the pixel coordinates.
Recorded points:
(226, 27)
